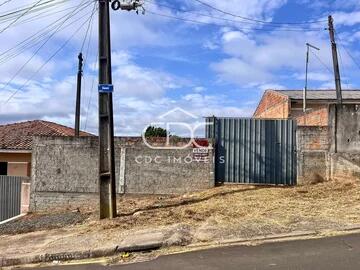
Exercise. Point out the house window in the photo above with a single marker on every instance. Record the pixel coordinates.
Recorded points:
(3, 168)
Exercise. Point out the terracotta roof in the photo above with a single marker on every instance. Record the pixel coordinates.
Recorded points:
(320, 94)
(18, 136)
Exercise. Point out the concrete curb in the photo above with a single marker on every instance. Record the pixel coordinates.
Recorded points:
(77, 255)
(279, 237)
(152, 245)
(12, 219)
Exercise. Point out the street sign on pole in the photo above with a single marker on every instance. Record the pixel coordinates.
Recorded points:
(106, 88)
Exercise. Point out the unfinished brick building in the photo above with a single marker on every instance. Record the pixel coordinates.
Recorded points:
(288, 104)
(328, 143)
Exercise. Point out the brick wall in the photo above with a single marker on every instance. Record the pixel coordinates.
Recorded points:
(65, 170)
(316, 115)
(272, 106)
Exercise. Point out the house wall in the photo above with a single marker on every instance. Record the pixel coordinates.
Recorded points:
(273, 106)
(347, 128)
(316, 115)
(19, 164)
(317, 158)
(65, 171)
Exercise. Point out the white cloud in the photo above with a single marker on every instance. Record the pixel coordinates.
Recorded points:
(238, 71)
(314, 76)
(347, 18)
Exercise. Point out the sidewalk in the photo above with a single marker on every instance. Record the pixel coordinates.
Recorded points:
(219, 215)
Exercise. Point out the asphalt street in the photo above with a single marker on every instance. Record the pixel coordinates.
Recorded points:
(338, 253)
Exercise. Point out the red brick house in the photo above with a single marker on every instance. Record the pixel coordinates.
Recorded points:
(285, 104)
(16, 144)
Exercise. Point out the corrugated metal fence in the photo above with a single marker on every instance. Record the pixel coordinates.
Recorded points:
(10, 196)
(254, 151)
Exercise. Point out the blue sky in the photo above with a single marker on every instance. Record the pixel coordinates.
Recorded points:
(212, 67)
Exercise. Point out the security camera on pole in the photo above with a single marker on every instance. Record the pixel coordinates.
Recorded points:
(107, 187)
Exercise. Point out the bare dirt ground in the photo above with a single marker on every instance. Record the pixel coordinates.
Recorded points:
(218, 214)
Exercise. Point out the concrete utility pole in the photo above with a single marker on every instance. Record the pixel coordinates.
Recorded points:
(335, 60)
(78, 96)
(106, 123)
(107, 185)
(337, 80)
(308, 45)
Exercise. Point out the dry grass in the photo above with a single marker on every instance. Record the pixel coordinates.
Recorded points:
(233, 211)
(220, 213)
(245, 210)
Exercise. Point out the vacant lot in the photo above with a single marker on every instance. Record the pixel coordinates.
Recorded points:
(220, 213)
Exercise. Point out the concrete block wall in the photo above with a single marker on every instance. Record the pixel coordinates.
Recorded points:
(344, 166)
(65, 170)
(312, 153)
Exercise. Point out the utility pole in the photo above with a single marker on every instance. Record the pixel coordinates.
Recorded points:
(106, 123)
(308, 45)
(337, 80)
(107, 185)
(78, 96)
(335, 60)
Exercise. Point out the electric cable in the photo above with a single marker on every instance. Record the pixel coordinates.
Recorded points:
(18, 18)
(46, 62)
(42, 45)
(212, 16)
(255, 20)
(241, 28)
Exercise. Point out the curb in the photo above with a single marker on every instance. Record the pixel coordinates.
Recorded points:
(77, 255)
(104, 252)
(12, 219)
(279, 237)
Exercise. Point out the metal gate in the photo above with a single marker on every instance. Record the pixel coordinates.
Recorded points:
(254, 151)
(10, 197)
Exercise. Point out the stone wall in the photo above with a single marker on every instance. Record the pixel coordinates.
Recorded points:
(65, 170)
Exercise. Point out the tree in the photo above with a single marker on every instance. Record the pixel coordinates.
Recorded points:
(152, 131)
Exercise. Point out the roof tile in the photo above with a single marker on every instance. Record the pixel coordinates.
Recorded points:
(18, 136)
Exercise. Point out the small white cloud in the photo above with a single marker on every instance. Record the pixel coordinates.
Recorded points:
(199, 89)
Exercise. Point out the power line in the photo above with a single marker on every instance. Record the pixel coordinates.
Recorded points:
(40, 11)
(242, 28)
(5, 2)
(325, 66)
(348, 52)
(341, 61)
(18, 18)
(42, 45)
(47, 61)
(87, 29)
(255, 20)
(32, 41)
(87, 52)
(48, 14)
(92, 84)
(20, 9)
(219, 18)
